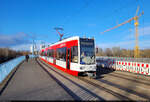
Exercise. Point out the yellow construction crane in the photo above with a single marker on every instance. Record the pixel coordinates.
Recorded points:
(136, 23)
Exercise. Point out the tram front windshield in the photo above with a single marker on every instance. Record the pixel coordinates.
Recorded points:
(87, 51)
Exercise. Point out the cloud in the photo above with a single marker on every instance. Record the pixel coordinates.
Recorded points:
(144, 44)
(15, 39)
(22, 47)
(129, 40)
(142, 32)
(26, 47)
(126, 44)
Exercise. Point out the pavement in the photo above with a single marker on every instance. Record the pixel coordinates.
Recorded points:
(31, 82)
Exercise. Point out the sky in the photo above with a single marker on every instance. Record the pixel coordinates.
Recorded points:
(21, 21)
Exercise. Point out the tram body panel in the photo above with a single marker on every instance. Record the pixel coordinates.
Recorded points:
(61, 63)
(50, 59)
(73, 55)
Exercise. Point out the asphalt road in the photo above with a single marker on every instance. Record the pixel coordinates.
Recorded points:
(31, 82)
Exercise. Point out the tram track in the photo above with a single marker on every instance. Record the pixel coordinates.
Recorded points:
(74, 96)
(129, 90)
(130, 85)
(139, 87)
(106, 83)
(134, 75)
(77, 92)
(128, 77)
(120, 97)
(110, 91)
(105, 89)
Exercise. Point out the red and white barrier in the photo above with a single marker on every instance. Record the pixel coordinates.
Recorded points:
(145, 68)
(138, 68)
(134, 67)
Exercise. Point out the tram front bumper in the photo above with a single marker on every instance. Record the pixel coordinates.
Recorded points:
(88, 68)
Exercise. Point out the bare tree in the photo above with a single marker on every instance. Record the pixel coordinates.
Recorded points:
(116, 51)
(145, 53)
(100, 52)
(108, 52)
(7, 54)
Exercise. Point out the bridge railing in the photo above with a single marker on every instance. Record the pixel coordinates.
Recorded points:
(33, 56)
(7, 67)
(145, 60)
(135, 65)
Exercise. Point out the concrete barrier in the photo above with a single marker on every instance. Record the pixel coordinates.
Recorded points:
(7, 67)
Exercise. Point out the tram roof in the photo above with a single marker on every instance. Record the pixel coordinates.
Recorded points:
(66, 39)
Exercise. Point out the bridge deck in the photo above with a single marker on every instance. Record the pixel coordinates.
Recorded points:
(31, 82)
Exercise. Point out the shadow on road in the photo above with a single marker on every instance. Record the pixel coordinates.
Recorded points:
(100, 71)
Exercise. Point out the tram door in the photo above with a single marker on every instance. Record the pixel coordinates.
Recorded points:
(68, 58)
(54, 61)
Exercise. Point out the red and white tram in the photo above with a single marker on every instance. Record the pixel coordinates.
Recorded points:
(74, 55)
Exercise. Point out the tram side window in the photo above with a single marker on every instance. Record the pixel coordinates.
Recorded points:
(42, 53)
(51, 53)
(45, 53)
(48, 52)
(61, 54)
(74, 54)
(57, 54)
